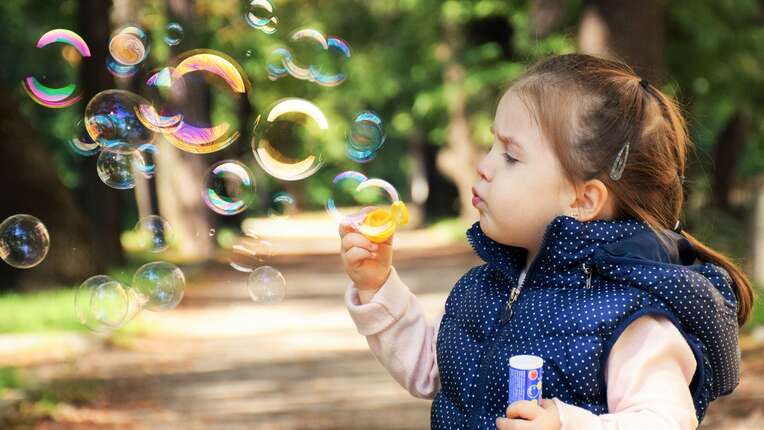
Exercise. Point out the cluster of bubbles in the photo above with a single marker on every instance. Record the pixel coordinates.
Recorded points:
(289, 142)
(103, 304)
(312, 57)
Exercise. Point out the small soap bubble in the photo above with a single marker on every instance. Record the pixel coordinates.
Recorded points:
(266, 285)
(101, 303)
(173, 34)
(129, 45)
(115, 166)
(282, 205)
(154, 233)
(249, 53)
(289, 141)
(250, 251)
(211, 232)
(81, 142)
(144, 159)
(229, 187)
(161, 283)
(365, 137)
(260, 15)
(24, 241)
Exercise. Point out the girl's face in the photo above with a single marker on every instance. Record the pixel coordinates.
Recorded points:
(520, 188)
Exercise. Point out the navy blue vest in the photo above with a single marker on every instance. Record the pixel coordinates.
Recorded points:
(588, 282)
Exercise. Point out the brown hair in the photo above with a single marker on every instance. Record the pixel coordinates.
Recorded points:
(588, 108)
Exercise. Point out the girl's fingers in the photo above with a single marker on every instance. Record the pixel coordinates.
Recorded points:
(355, 255)
(508, 424)
(345, 228)
(523, 409)
(356, 239)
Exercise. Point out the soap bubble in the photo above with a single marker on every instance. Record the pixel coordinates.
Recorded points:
(24, 241)
(81, 142)
(129, 45)
(288, 141)
(342, 202)
(110, 119)
(249, 251)
(161, 283)
(154, 233)
(144, 159)
(282, 205)
(365, 137)
(260, 15)
(229, 187)
(173, 34)
(120, 70)
(161, 114)
(101, 303)
(311, 56)
(328, 69)
(115, 166)
(266, 285)
(45, 93)
(225, 79)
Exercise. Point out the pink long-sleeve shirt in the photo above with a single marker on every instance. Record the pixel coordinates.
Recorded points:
(648, 371)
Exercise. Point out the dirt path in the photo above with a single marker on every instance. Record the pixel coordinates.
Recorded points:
(221, 362)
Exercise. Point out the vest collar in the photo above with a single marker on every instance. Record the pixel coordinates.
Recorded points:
(567, 243)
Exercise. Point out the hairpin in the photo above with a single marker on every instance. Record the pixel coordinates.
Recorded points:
(620, 162)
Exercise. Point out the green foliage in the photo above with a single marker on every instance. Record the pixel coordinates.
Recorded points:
(51, 310)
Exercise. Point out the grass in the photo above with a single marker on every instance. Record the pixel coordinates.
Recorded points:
(10, 378)
(44, 311)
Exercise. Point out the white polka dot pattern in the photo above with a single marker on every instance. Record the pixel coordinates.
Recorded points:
(573, 327)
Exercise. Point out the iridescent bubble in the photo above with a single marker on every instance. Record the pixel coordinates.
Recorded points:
(311, 56)
(129, 45)
(365, 137)
(229, 187)
(81, 143)
(342, 203)
(111, 119)
(161, 283)
(261, 16)
(289, 140)
(101, 303)
(173, 34)
(56, 96)
(161, 114)
(282, 205)
(144, 159)
(115, 166)
(224, 78)
(249, 251)
(328, 69)
(120, 70)
(266, 285)
(154, 233)
(24, 241)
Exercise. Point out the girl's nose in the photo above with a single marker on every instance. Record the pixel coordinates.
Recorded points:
(483, 169)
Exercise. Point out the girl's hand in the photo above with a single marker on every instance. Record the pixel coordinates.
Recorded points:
(528, 415)
(366, 263)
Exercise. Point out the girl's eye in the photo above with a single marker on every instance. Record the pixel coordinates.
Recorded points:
(509, 158)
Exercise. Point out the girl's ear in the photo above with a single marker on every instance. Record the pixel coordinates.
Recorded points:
(592, 201)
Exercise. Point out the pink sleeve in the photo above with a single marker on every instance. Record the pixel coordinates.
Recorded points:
(399, 334)
(648, 374)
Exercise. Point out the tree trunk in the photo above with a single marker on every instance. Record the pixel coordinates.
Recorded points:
(103, 205)
(627, 30)
(179, 175)
(32, 186)
(458, 158)
(729, 147)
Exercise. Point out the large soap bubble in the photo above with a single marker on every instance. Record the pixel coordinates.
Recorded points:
(46, 94)
(24, 241)
(161, 283)
(115, 166)
(111, 119)
(289, 140)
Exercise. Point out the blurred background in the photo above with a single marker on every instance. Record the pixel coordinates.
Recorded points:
(432, 71)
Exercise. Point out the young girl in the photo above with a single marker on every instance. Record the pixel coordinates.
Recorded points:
(586, 266)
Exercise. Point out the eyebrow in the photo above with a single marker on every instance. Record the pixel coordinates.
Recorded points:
(507, 140)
